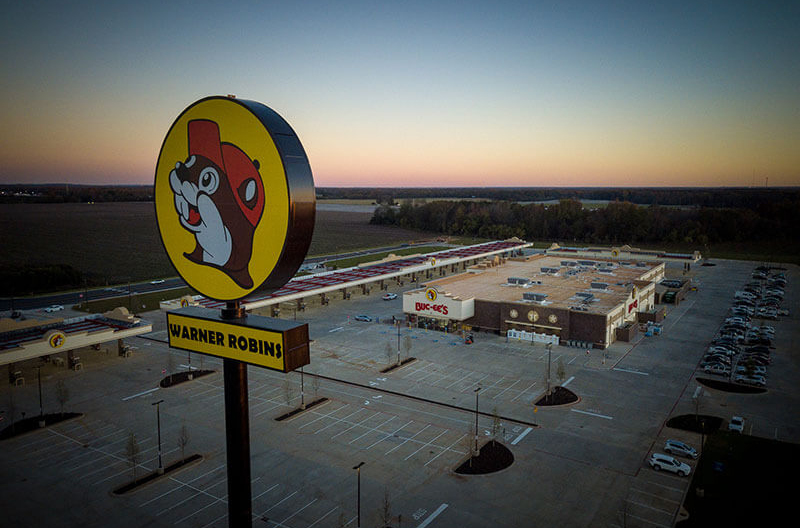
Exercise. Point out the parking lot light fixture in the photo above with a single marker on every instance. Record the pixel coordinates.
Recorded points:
(358, 493)
(477, 392)
(158, 422)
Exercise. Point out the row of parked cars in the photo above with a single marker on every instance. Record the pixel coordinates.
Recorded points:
(668, 462)
(741, 350)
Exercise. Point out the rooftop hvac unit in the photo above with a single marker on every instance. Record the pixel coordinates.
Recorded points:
(585, 296)
(586, 262)
(569, 263)
(550, 271)
(532, 296)
(599, 285)
(520, 281)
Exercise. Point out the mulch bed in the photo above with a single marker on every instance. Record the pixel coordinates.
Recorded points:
(701, 423)
(727, 386)
(150, 477)
(31, 423)
(558, 396)
(181, 377)
(396, 366)
(295, 412)
(492, 457)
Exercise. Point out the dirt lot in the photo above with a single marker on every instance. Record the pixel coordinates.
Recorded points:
(117, 242)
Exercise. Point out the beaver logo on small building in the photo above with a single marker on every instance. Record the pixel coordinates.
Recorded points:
(219, 197)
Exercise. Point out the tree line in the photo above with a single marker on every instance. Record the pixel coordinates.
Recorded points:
(680, 196)
(619, 222)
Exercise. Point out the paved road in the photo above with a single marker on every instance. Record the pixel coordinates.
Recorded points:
(121, 290)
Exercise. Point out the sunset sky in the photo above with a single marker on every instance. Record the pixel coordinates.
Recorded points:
(415, 93)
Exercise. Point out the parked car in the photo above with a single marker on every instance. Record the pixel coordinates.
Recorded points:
(675, 447)
(756, 369)
(659, 461)
(364, 318)
(717, 368)
(389, 296)
(751, 380)
(736, 424)
(54, 308)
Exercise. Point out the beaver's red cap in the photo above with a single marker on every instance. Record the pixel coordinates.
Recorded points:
(204, 141)
(238, 167)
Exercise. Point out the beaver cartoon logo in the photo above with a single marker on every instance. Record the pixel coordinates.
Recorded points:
(57, 340)
(431, 294)
(219, 197)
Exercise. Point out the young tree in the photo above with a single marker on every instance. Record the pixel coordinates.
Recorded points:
(287, 391)
(389, 352)
(386, 508)
(407, 344)
(62, 395)
(315, 383)
(132, 453)
(183, 440)
(561, 372)
(170, 365)
(496, 425)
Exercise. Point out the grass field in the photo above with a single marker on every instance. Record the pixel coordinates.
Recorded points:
(112, 243)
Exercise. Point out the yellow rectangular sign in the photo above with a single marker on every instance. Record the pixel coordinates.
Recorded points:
(249, 339)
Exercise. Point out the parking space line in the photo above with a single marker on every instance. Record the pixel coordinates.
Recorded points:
(425, 444)
(373, 429)
(199, 492)
(592, 414)
(660, 497)
(648, 521)
(432, 516)
(389, 435)
(179, 487)
(406, 440)
(280, 501)
(523, 391)
(448, 448)
(320, 519)
(298, 511)
(321, 417)
(354, 425)
(521, 436)
(501, 392)
(338, 420)
(468, 374)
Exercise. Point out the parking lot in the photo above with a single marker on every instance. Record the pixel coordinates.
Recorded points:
(578, 465)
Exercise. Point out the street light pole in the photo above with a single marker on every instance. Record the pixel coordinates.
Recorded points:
(549, 350)
(158, 421)
(477, 391)
(358, 493)
(41, 407)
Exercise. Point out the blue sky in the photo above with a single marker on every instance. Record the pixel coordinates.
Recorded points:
(416, 93)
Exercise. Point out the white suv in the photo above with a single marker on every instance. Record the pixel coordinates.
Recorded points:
(736, 424)
(660, 461)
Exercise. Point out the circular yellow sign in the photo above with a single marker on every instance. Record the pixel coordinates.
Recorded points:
(431, 294)
(513, 313)
(553, 318)
(232, 205)
(533, 316)
(57, 340)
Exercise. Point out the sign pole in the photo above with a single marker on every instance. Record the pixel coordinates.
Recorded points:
(237, 434)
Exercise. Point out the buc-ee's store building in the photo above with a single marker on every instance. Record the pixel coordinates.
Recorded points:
(541, 298)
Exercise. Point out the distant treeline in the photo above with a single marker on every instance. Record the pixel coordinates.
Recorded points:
(681, 196)
(66, 193)
(567, 221)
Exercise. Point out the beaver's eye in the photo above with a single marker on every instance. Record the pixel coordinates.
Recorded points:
(208, 181)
